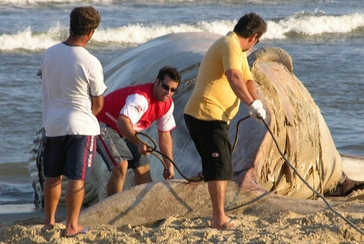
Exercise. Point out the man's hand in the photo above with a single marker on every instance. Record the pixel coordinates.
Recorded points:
(256, 110)
(143, 149)
(168, 174)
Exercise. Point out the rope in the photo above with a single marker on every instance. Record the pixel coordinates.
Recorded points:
(238, 131)
(305, 182)
(153, 150)
(200, 176)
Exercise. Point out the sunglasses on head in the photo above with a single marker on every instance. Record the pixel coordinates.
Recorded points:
(166, 87)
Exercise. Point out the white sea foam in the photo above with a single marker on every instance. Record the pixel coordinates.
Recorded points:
(139, 33)
(314, 25)
(28, 40)
(302, 24)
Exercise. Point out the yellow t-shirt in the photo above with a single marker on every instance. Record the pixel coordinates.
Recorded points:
(212, 97)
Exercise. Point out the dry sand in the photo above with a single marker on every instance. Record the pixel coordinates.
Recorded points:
(20, 224)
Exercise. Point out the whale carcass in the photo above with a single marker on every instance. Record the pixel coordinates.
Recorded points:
(292, 116)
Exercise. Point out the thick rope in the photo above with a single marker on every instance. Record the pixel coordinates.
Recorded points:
(200, 176)
(153, 150)
(305, 182)
(238, 131)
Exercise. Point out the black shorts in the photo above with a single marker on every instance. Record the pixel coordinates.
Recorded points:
(70, 155)
(212, 142)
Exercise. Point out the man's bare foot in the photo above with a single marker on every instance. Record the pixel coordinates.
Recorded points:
(46, 227)
(72, 233)
(230, 224)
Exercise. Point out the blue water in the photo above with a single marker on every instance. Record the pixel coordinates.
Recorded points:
(324, 39)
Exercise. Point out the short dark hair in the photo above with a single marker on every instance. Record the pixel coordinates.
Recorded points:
(249, 25)
(83, 20)
(171, 72)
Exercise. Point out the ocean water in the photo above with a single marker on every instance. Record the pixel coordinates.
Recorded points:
(324, 39)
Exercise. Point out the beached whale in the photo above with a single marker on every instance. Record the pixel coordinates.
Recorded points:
(292, 116)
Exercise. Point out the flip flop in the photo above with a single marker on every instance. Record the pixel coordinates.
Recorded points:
(79, 233)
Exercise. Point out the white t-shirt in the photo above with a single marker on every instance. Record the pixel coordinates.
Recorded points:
(71, 75)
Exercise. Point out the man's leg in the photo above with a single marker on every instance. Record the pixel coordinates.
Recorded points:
(139, 164)
(142, 175)
(217, 190)
(117, 178)
(211, 138)
(52, 194)
(74, 198)
(80, 156)
(115, 153)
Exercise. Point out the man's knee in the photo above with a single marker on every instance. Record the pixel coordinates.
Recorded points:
(142, 169)
(142, 175)
(121, 168)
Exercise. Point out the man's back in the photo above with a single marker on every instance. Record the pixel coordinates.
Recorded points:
(69, 74)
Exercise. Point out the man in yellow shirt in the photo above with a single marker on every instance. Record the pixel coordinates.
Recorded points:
(223, 80)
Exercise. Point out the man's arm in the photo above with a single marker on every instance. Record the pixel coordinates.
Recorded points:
(97, 104)
(250, 84)
(126, 128)
(246, 92)
(166, 147)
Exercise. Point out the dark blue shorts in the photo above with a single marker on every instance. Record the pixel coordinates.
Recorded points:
(70, 155)
(212, 142)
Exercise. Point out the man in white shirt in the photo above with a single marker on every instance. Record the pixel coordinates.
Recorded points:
(72, 95)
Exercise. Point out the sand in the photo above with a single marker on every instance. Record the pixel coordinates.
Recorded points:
(22, 224)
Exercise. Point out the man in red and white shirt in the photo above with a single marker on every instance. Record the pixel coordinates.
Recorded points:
(132, 109)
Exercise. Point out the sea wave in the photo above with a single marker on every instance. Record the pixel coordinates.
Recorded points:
(15, 185)
(315, 24)
(302, 23)
(16, 193)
